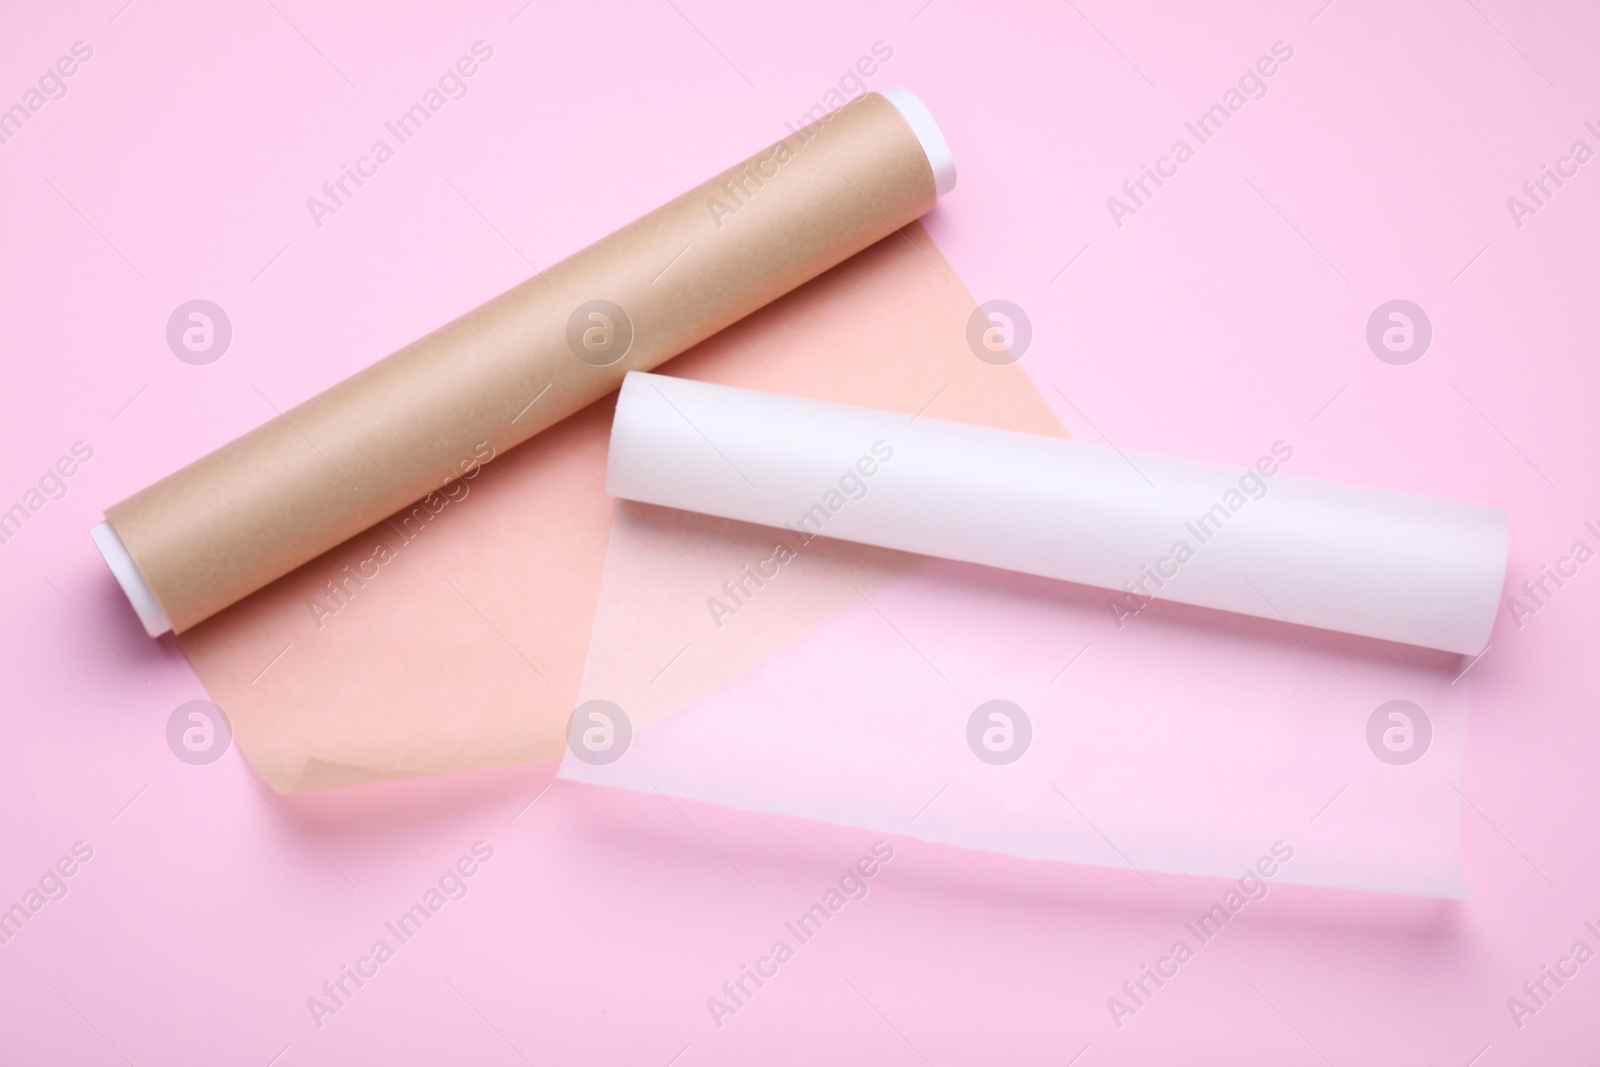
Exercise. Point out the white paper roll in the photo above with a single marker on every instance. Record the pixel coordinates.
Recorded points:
(1395, 566)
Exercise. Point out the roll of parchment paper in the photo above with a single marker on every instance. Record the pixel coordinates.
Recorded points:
(250, 512)
(1396, 566)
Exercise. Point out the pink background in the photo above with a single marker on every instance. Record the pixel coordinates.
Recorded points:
(1225, 314)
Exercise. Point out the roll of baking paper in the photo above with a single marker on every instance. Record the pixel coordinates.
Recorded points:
(1396, 566)
(250, 512)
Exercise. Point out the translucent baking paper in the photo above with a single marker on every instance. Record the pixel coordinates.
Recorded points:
(459, 642)
(783, 670)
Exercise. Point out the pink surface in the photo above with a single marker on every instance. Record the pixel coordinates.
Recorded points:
(1228, 311)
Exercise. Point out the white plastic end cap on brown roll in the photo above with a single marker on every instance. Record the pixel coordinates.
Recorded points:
(133, 584)
(928, 133)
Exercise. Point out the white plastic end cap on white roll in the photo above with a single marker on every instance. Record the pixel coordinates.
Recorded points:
(934, 145)
(126, 571)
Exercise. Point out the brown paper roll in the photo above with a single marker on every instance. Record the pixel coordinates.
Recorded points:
(404, 428)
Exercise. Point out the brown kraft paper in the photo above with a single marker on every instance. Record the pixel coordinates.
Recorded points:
(252, 511)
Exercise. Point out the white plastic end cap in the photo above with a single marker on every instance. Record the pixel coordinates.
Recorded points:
(934, 145)
(144, 602)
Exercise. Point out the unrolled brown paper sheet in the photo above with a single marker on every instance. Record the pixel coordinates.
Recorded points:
(461, 643)
(249, 513)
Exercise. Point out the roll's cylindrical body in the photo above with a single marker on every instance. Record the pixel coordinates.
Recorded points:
(1395, 566)
(252, 511)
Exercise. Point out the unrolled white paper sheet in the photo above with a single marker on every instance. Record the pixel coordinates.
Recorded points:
(767, 669)
(1401, 567)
